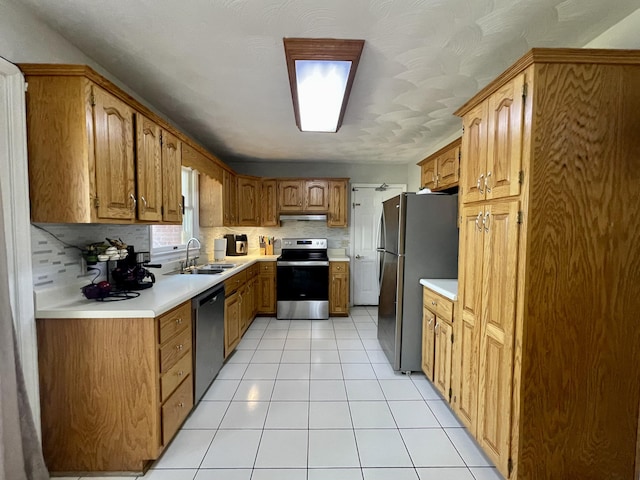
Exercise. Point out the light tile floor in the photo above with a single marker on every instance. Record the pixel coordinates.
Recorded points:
(318, 400)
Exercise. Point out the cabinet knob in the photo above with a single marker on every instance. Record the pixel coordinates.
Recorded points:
(179, 347)
(180, 373)
(181, 404)
(178, 321)
(433, 302)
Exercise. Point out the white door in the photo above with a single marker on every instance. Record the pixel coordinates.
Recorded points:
(366, 209)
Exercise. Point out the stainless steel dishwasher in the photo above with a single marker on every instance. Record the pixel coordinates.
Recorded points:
(208, 315)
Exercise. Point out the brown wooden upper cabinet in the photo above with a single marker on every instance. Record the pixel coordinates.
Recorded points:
(269, 202)
(290, 195)
(309, 196)
(230, 200)
(248, 201)
(84, 165)
(492, 145)
(337, 203)
(441, 170)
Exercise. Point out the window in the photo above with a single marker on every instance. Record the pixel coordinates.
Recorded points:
(172, 238)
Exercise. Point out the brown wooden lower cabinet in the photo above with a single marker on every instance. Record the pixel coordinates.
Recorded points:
(111, 395)
(437, 340)
(266, 297)
(339, 289)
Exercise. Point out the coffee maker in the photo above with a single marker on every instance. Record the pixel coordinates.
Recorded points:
(236, 244)
(131, 273)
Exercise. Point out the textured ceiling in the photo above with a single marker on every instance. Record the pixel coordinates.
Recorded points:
(216, 68)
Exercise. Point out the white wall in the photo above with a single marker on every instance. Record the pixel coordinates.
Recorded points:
(624, 34)
(24, 38)
(357, 173)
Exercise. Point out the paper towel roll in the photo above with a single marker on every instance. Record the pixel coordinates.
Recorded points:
(219, 249)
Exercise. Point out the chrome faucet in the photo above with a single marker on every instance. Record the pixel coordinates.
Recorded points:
(192, 239)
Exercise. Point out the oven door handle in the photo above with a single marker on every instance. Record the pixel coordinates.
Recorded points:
(303, 263)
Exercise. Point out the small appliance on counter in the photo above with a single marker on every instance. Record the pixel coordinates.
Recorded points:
(132, 274)
(236, 244)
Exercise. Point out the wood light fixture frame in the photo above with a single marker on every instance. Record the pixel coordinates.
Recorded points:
(321, 49)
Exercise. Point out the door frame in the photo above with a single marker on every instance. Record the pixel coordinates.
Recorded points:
(352, 228)
(17, 226)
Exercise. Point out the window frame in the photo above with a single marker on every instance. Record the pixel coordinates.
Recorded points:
(190, 203)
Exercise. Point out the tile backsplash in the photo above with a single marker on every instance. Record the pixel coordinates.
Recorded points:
(336, 237)
(55, 263)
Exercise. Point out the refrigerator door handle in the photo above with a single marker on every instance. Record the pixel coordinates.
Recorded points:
(381, 233)
(380, 267)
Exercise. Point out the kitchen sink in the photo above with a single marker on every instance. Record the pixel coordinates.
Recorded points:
(209, 269)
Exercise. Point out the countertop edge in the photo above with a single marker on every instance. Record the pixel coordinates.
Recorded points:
(443, 286)
(158, 302)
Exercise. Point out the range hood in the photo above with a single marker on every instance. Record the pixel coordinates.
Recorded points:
(303, 218)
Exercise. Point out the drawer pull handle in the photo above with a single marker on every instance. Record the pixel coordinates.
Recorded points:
(180, 373)
(433, 302)
(179, 347)
(178, 321)
(181, 404)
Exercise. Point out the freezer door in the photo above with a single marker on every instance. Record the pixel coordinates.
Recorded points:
(388, 318)
(391, 224)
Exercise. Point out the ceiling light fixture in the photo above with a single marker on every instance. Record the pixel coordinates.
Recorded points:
(321, 73)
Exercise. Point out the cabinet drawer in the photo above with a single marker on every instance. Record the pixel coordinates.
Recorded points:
(174, 349)
(267, 267)
(232, 284)
(176, 374)
(252, 271)
(441, 306)
(174, 321)
(338, 267)
(176, 409)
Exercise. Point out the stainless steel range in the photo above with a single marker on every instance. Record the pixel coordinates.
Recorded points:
(303, 279)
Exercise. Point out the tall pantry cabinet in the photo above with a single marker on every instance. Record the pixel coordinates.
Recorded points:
(547, 347)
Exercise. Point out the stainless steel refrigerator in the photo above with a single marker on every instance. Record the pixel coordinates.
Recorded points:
(418, 239)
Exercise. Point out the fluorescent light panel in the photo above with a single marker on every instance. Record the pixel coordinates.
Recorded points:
(321, 72)
(321, 85)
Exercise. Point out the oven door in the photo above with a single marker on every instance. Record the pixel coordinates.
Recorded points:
(302, 290)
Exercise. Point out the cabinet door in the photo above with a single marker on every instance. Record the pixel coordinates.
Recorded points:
(232, 313)
(245, 307)
(468, 317)
(442, 363)
(428, 342)
(428, 173)
(290, 195)
(269, 203)
(149, 169)
(339, 294)
(113, 130)
(337, 203)
(448, 168)
(230, 205)
(474, 153)
(504, 146)
(497, 331)
(210, 204)
(171, 178)
(248, 195)
(316, 196)
(267, 288)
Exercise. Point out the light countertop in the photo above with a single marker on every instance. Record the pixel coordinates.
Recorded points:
(447, 287)
(169, 291)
